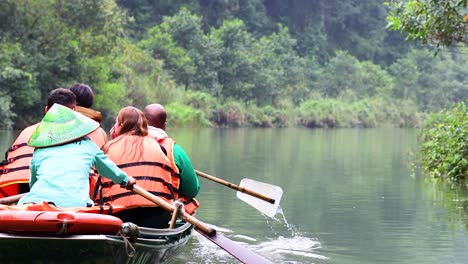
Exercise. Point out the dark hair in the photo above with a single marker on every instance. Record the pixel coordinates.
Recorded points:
(84, 94)
(61, 96)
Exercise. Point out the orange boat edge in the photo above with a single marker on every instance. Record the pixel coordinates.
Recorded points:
(44, 218)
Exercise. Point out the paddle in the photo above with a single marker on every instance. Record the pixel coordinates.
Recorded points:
(268, 204)
(11, 199)
(240, 253)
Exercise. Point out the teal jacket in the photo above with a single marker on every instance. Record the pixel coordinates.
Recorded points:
(60, 174)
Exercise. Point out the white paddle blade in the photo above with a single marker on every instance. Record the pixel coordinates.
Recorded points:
(272, 191)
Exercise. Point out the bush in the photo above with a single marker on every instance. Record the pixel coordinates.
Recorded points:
(444, 147)
(179, 115)
(201, 101)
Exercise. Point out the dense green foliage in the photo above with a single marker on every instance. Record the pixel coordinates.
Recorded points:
(433, 21)
(314, 63)
(444, 150)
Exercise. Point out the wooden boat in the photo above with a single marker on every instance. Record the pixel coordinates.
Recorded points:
(78, 237)
(147, 245)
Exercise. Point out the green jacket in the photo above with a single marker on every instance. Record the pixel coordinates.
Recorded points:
(189, 184)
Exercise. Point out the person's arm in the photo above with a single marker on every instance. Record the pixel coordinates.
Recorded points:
(189, 184)
(108, 169)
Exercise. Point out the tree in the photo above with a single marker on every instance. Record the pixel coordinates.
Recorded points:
(236, 75)
(278, 67)
(46, 44)
(432, 82)
(431, 21)
(204, 51)
(345, 73)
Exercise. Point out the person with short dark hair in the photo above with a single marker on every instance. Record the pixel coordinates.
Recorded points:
(63, 157)
(84, 94)
(84, 101)
(14, 172)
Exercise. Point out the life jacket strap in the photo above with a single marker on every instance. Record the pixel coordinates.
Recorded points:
(171, 188)
(125, 194)
(149, 163)
(7, 170)
(15, 147)
(109, 211)
(11, 160)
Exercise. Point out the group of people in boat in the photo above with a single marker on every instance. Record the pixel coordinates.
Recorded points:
(68, 160)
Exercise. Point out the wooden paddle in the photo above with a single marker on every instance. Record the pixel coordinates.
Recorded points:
(170, 207)
(235, 187)
(11, 199)
(268, 205)
(239, 252)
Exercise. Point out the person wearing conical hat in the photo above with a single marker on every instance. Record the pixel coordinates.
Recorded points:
(63, 157)
(14, 172)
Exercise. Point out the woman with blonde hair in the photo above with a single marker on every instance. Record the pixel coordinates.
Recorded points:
(142, 158)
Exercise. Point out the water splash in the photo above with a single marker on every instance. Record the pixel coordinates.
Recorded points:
(284, 244)
(282, 248)
(290, 243)
(282, 220)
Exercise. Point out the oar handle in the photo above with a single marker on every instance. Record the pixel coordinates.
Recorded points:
(209, 231)
(11, 199)
(235, 187)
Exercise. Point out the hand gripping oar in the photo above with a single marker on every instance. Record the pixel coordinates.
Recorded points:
(266, 203)
(242, 254)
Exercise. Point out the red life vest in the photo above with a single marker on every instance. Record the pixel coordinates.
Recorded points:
(168, 143)
(151, 170)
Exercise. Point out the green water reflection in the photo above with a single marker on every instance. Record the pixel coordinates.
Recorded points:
(349, 197)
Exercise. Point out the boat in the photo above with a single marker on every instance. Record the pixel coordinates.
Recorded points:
(84, 236)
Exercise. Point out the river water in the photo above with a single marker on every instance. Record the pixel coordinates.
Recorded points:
(350, 196)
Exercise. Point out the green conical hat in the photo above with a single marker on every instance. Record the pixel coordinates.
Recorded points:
(61, 125)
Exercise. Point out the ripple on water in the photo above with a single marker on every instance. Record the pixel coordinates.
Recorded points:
(282, 249)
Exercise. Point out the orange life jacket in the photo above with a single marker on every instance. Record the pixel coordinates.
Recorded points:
(99, 137)
(151, 170)
(14, 169)
(168, 144)
(190, 205)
